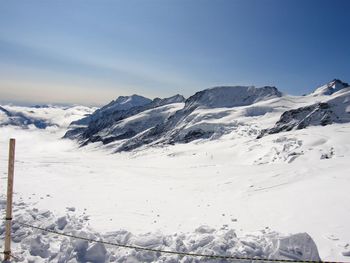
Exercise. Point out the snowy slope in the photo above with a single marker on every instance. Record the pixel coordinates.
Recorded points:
(230, 96)
(36, 246)
(280, 181)
(183, 125)
(333, 109)
(122, 103)
(293, 181)
(125, 103)
(101, 125)
(330, 88)
(212, 113)
(135, 124)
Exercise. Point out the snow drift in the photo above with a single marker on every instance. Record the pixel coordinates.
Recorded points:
(32, 245)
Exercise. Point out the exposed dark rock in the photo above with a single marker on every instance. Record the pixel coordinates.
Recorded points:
(316, 114)
(195, 135)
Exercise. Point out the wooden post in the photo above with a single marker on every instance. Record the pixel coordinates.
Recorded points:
(11, 166)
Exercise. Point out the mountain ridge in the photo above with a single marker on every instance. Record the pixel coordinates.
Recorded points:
(168, 128)
(131, 122)
(330, 88)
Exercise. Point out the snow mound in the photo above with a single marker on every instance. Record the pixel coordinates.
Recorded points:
(297, 247)
(32, 245)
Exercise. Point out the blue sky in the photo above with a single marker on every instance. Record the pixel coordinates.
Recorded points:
(90, 52)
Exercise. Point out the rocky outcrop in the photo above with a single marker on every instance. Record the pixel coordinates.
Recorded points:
(334, 110)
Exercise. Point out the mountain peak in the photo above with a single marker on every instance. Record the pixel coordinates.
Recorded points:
(231, 96)
(126, 102)
(330, 88)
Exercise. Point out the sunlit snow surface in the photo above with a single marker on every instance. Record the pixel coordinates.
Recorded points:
(290, 182)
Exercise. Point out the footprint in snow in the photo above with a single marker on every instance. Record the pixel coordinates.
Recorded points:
(332, 237)
(70, 209)
(346, 252)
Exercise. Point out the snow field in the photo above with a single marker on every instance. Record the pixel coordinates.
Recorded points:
(32, 245)
(290, 182)
(176, 189)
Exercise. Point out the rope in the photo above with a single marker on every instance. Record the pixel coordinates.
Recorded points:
(169, 251)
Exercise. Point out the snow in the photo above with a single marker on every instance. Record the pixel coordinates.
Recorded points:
(61, 222)
(33, 245)
(179, 188)
(110, 123)
(231, 96)
(53, 115)
(332, 109)
(216, 112)
(330, 88)
(142, 121)
(125, 103)
(230, 193)
(95, 253)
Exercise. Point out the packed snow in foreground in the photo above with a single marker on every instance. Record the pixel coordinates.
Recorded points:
(290, 180)
(38, 246)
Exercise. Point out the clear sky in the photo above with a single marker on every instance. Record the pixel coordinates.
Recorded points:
(84, 51)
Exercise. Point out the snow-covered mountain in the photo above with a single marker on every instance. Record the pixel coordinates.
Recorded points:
(41, 117)
(330, 88)
(210, 114)
(122, 103)
(335, 109)
(125, 103)
(196, 162)
(189, 123)
(115, 122)
(171, 124)
(8, 117)
(131, 122)
(230, 96)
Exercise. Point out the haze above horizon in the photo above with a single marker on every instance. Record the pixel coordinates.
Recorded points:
(90, 52)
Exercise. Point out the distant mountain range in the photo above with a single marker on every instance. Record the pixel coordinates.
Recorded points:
(131, 122)
(20, 119)
(41, 117)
